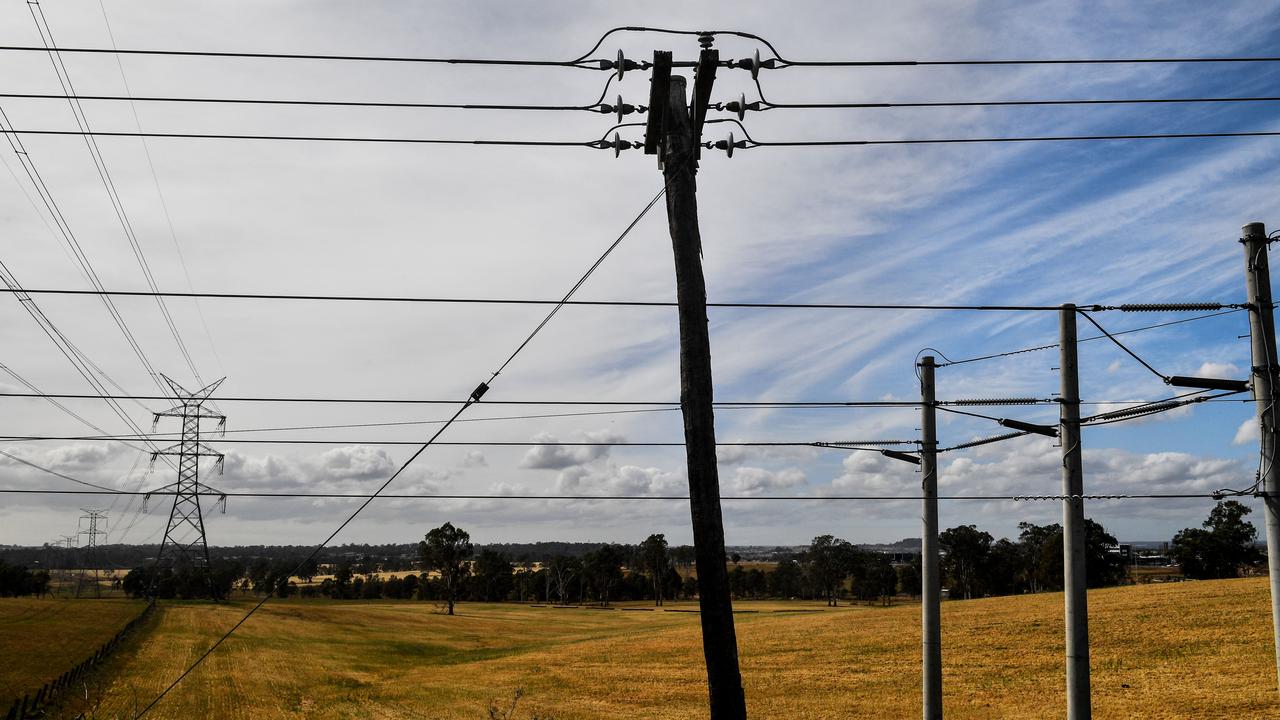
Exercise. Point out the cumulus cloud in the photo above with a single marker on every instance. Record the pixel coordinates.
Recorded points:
(341, 469)
(473, 459)
(1219, 370)
(560, 457)
(754, 480)
(621, 480)
(1247, 433)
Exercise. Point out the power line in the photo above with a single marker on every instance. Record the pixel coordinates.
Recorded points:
(581, 63)
(766, 498)
(104, 174)
(766, 404)
(519, 301)
(1088, 339)
(315, 138)
(765, 104)
(155, 177)
(841, 445)
(594, 107)
(749, 143)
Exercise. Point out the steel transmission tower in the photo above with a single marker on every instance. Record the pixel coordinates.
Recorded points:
(184, 535)
(91, 557)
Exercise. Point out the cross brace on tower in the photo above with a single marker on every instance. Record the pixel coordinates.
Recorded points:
(184, 535)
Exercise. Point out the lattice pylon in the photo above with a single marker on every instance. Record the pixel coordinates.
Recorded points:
(184, 535)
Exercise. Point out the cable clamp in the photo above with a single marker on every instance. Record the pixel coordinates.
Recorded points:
(479, 392)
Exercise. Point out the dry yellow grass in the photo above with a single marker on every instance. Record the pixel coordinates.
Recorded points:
(42, 638)
(1189, 650)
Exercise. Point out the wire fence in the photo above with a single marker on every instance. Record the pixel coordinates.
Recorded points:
(34, 706)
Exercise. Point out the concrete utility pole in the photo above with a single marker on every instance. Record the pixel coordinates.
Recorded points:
(930, 575)
(1074, 583)
(1262, 334)
(678, 152)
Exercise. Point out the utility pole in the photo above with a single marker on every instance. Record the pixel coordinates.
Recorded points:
(1262, 334)
(186, 516)
(930, 575)
(1074, 585)
(673, 135)
(91, 557)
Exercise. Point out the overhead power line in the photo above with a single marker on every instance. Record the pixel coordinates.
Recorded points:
(841, 445)
(777, 62)
(599, 106)
(1050, 346)
(764, 104)
(747, 144)
(520, 301)
(765, 498)
(413, 401)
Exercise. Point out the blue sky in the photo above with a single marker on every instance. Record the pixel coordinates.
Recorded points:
(1036, 223)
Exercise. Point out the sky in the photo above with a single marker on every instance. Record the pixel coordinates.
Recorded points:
(1016, 223)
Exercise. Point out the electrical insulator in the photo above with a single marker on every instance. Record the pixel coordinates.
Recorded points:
(619, 110)
(754, 64)
(621, 65)
(730, 144)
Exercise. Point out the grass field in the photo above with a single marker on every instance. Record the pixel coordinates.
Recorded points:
(41, 639)
(1183, 650)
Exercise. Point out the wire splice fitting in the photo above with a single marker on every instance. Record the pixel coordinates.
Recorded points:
(479, 392)
(994, 401)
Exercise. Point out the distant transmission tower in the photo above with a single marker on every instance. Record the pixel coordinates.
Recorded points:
(68, 543)
(91, 557)
(184, 535)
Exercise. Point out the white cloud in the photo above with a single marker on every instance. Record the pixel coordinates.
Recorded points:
(1247, 433)
(552, 456)
(474, 459)
(755, 481)
(1219, 370)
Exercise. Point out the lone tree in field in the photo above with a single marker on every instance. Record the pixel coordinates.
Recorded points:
(966, 549)
(1222, 548)
(654, 560)
(446, 551)
(827, 562)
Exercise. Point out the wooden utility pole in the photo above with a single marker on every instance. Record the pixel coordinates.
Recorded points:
(1074, 583)
(678, 154)
(930, 575)
(1262, 334)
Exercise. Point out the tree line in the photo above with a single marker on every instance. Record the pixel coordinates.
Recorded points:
(973, 564)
